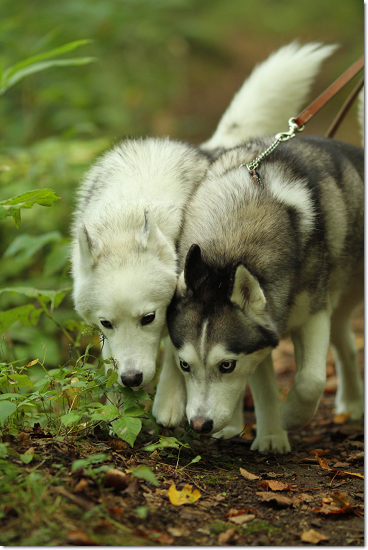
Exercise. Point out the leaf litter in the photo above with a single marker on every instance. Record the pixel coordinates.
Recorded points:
(118, 494)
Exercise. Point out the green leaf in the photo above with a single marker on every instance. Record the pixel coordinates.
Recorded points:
(127, 428)
(106, 413)
(11, 207)
(70, 417)
(58, 258)
(26, 458)
(20, 380)
(84, 462)
(6, 409)
(163, 443)
(25, 246)
(144, 472)
(134, 411)
(27, 315)
(53, 296)
(111, 379)
(66, 48)
(43, 66)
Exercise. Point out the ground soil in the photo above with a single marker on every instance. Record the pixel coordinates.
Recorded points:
(319, 499)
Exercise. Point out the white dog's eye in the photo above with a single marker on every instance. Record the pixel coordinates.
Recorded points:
(148, 319)
(184, 366)
(105, 323)
(227, 366)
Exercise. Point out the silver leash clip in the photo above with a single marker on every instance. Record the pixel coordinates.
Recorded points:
(282, 136)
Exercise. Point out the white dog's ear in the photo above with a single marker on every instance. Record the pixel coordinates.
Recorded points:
(151, 238)
(90, 249)
(247, 291)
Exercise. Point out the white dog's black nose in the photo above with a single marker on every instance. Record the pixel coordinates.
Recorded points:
(132, 379)
(201, 425)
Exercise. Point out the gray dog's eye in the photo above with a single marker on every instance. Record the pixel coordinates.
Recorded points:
(227, 366)
(105, 323)
(184, 366)
(148, 319)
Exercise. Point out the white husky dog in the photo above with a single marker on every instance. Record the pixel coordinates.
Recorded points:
(130, 208)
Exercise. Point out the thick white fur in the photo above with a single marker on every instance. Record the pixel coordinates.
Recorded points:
(287, 74)
(130, 210)
(123, 255)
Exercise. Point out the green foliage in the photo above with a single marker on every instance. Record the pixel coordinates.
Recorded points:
(12, 207)
(37, 63)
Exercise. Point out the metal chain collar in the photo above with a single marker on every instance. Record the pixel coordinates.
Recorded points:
(283, 136)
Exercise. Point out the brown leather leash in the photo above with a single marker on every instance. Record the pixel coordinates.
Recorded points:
(297, 124)
(332, 90)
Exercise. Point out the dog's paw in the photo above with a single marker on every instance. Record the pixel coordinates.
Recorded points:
(228, 432)
(168, 412)
(275, 443)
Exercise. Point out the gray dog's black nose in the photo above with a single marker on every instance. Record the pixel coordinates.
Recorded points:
(201, 425)
(132, 379)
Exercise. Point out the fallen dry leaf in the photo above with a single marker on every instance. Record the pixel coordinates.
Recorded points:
(274, 485)
(341, 418)
(248, 475)
(325, 466)
(81, 486)
(320, 452)
(72, 394)
(357, 457)
(185, 496)
(30, 451)
(118, 444)
(243, 518)
(280, 499)
(248, 433)
(312, 536)
(116, 479)
(225, 537)
(337, 503)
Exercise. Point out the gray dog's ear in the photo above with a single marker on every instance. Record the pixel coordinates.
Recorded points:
(247, 291)
(90, 248)
(196, 270)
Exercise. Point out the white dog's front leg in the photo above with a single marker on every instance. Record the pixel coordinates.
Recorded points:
(236, 424)
(171, 397)
(311, 343)
(270, 435)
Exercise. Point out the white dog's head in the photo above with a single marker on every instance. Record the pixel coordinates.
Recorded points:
(126, 295)
(221, 330)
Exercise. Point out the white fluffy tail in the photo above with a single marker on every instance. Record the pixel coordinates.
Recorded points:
(275, 91)
(361, 114)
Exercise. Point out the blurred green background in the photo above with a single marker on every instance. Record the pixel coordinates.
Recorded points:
(164, 67)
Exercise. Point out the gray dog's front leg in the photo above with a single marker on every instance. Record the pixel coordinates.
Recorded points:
(311, 343)
(270, 435)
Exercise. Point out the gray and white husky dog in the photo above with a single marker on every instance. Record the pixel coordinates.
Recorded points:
(130, 208)
(258, 263)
